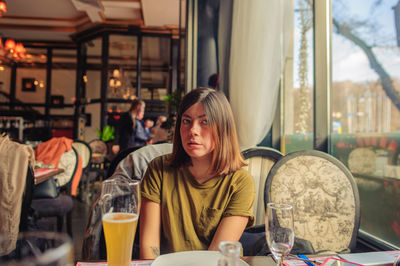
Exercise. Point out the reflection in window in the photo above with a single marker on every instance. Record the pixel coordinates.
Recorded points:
(298, 99)
(122, 67)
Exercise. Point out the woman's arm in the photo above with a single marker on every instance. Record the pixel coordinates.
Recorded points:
(229, 229)
(150, 229)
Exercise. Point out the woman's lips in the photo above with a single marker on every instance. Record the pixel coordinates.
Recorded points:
(193, 144)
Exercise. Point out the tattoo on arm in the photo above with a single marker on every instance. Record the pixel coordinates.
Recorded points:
(156, 251)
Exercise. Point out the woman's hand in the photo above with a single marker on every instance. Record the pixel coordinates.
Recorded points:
(150, 229)
(229, 229)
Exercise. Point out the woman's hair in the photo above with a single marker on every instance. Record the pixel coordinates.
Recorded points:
(226, 155)
(134, 106)
(135, 103)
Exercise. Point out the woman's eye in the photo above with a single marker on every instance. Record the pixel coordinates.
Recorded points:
(185, 121)
(205, 122)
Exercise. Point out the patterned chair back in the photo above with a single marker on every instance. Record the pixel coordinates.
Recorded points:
(259, 162)
(84, 150)
(324, 195)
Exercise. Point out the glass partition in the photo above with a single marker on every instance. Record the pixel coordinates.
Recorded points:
(155, 73)
(122, 83)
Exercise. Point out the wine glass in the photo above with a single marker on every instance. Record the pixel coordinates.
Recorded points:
(120, 203)
(279, 230)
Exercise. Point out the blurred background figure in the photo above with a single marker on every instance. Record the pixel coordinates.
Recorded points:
(148, 125)
(165, 131)
(213, 81)
(131, 129)
(160, 120)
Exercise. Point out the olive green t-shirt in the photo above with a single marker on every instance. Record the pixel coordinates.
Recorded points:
(191, 212)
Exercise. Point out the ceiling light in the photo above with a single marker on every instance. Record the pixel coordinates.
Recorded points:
(3, 7)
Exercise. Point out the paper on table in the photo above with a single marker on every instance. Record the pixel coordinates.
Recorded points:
(294, 262)
(370, 258)
(133, 263)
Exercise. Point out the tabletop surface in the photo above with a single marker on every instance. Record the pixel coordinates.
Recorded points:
(42, 174)
(368, 258)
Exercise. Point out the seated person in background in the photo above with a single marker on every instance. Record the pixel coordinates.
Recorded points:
(160, 119)
(131, 131)
(199, 195)
(165, 131)
(148, 125)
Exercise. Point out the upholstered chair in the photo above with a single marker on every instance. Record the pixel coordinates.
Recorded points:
(324, 195)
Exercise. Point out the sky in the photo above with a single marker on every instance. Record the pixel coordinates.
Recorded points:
(349, 62)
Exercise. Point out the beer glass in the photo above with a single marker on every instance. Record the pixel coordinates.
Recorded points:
(36, 249)
(120, 205)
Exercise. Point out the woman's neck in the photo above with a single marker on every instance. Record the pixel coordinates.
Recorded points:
(200, 169)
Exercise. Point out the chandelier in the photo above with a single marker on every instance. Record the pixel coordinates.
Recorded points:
(12, 50)
(3, 7)
(119, 85)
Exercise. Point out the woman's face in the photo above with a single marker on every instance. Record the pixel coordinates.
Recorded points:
(140, 111)
(196, 133)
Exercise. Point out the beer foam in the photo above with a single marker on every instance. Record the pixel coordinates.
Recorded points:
(120, 217)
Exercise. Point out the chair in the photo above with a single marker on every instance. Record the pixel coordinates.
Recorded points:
(85, 152)
(324, 195)
(99, 151)
(260, 161)
(27, 199)
(120, 156)
(60, 206)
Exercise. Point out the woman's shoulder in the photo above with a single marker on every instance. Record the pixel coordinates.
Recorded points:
(161, 161)
(242, 175)
(242, 172)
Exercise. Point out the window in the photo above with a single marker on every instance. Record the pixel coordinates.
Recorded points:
(365, 122)
(298, 83)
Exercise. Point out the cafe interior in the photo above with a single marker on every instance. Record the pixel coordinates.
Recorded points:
(314, 88)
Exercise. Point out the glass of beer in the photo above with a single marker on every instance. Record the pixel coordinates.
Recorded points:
(120, 204)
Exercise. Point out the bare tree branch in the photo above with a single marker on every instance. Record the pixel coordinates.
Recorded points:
(385, 78)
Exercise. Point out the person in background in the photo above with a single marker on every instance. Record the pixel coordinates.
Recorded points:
(199, 195)
(213, 81)
(165, 131)
(148, 125)
(131, 128)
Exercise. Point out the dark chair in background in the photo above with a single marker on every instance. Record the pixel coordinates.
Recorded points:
(27, 199)
(60, 206)
(324, 195)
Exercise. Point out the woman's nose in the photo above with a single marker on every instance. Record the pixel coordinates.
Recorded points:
(195, 128)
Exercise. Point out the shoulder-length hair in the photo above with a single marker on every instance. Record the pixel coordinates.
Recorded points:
(134, 106)
(226, 155)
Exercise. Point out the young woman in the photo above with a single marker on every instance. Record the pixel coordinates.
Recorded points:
(199, 195)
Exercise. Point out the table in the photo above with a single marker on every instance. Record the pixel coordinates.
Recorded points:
(252, 261)
(42, 174)
(367, 258)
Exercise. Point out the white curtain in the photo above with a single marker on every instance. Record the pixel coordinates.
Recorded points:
(261, 31)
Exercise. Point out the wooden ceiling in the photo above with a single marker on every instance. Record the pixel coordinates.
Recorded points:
(60, 20)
